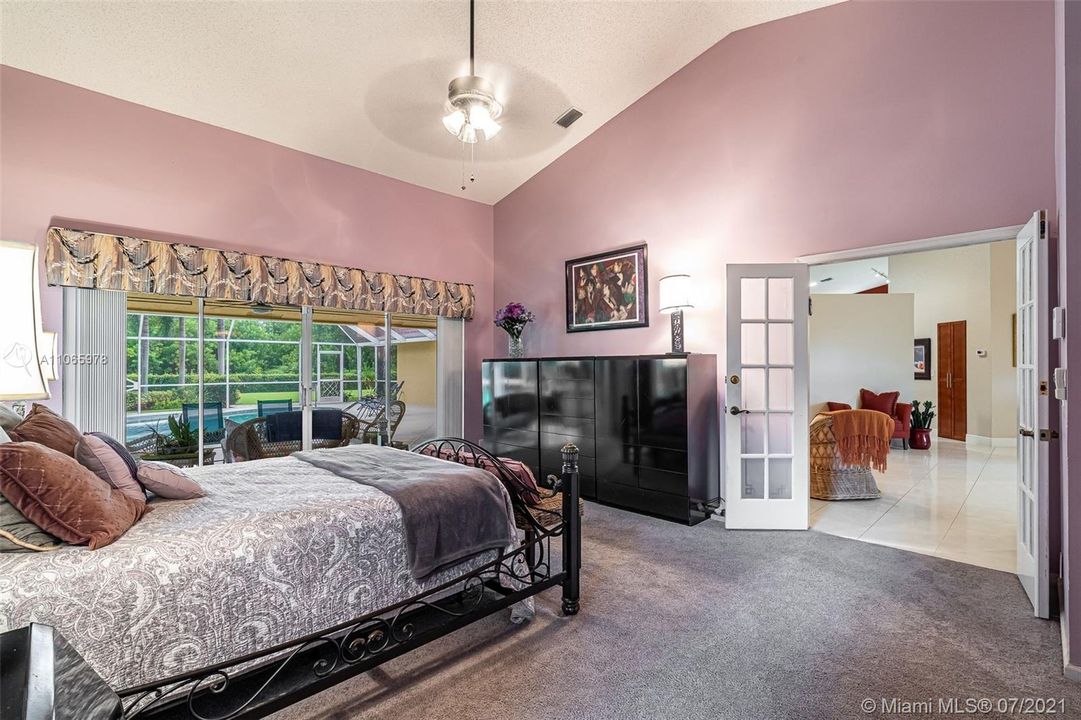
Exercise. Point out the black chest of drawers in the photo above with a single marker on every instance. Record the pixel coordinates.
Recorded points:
(647, 427)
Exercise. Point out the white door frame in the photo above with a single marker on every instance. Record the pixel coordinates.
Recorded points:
(942, 242)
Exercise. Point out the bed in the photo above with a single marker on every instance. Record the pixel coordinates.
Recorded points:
(285, 573)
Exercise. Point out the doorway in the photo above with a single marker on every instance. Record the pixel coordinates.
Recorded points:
(952, 380)
(1025, 473)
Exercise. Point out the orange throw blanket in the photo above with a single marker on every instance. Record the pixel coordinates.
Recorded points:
(863, 437)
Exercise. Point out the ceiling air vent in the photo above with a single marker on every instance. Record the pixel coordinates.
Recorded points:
(567, 119)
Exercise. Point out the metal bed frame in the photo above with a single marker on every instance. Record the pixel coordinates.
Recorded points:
(263, 682)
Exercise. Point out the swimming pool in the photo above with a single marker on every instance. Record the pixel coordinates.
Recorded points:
(136, 426)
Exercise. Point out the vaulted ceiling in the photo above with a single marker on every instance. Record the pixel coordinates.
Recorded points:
(363, 83)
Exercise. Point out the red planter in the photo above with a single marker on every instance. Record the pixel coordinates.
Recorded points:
(919, 438)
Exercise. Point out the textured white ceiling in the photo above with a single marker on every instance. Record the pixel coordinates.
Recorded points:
(363, 82)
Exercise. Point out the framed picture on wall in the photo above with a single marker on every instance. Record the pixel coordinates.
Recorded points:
(608, 291)
(921, 357)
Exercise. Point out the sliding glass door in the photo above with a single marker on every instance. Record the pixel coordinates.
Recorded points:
(197, 371)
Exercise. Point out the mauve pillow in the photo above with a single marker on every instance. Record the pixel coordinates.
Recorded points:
(168, 481)
(63, 498)
(835, 406)
(886, 402)
(111, 462)
(45, 427)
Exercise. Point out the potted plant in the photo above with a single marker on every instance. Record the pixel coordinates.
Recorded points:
(513, 317)
(919, 437)
(179, 446)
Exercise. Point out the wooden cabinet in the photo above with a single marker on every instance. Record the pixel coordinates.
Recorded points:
(952, 372)
(647, 427)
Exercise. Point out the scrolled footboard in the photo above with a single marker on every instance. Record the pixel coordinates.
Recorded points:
(261, 683)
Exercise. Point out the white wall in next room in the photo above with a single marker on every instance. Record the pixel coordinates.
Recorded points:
(860, 341)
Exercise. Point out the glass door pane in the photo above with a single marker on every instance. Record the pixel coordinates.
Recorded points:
(413, 379)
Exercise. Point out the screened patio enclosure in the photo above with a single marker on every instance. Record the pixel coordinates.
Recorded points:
(252, 364)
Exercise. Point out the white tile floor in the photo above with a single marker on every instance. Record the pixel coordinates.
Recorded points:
(956, 500)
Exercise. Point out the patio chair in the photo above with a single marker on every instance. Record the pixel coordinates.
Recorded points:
(213, 419)
(369, 432)
(249, 440)
(270, 407)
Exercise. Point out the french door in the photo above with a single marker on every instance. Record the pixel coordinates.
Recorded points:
(766, 448)
(1034, 432)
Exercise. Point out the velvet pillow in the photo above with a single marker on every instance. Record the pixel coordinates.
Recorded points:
(885, 402)
(45, 427)
(17, 534)
(835, 406)
(63, 498)
(168, 481)
(111, 462)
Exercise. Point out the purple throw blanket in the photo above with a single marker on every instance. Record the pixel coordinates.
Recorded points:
(451, 512)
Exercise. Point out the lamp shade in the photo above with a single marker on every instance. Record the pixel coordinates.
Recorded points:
(21, 375)
(50, 347)
(675, 292)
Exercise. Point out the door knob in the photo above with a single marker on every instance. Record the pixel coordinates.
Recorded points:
(1025, 432)
(736, 411)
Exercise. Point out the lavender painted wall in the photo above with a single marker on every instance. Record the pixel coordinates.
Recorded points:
(1068, 202)
(70, 153)
(853, 125)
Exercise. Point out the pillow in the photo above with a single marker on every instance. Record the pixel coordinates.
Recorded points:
(111, 462)
(9, 418)
(835, 406)
(63, 498)
(45, 427)
(4, 436)
(886, 402)
(17, 534)
(168, 481)
(527, 484)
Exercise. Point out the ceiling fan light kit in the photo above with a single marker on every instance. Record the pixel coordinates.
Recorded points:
(472, 107)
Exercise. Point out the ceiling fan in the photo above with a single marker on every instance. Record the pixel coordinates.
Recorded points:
(472, 106)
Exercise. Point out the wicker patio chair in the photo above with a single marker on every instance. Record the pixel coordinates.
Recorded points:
(269, 407)
(830, 478)
(249, 440)
(369, 432)
(213, 420)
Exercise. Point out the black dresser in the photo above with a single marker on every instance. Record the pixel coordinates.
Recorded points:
(646, 426)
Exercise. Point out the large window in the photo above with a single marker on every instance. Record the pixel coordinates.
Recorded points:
(251, 368)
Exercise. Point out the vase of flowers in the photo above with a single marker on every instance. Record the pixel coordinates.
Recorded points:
(513, 317)
(919, 437)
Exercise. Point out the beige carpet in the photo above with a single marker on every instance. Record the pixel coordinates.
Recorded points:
(701, 622)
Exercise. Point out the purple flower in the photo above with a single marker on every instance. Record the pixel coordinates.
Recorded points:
(513, 317)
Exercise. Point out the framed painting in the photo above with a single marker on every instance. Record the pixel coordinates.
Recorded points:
(608, 291)
(921, 358)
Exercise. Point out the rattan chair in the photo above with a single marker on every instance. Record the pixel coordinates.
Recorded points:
(269, 407)
(369, 431)
(830, 478)
(249, 441)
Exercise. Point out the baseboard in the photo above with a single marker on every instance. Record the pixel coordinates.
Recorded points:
(1069, 670)
(994, 442)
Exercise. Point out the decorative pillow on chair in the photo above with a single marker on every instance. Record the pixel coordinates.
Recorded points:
(835, 406)
(17, 534)
(168, 481)
(60, 496)
(884, 402)
(45, 427)
(111, 462)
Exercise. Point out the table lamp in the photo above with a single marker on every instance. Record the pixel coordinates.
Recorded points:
(675, 291)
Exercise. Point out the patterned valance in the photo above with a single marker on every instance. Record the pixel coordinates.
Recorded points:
(77, 258)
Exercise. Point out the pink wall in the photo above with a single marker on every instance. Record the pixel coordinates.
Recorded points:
(70, 153)
(853, 125)
(1068, 201)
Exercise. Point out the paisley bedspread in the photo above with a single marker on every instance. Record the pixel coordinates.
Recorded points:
(278, 549)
